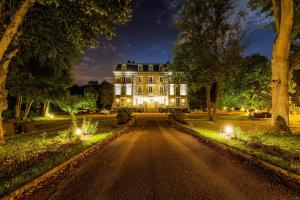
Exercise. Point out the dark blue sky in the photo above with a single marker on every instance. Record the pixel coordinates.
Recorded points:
(149, 38)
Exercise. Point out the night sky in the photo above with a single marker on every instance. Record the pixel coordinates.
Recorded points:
(150, 37)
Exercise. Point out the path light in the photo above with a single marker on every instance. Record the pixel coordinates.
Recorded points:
(228, 129)
(242, 109)
(225, 108)
(78, 131)
(227, 132)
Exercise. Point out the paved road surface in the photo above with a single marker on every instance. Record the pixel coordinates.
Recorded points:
(156, 161)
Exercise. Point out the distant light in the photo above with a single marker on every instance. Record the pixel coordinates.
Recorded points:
(118, 100)
(173, 100)
(183, 100)
(256, 110)
(49, 115)
(225, 108)
(128, 100)
(242, 109)
(232, 109)
(78, 131)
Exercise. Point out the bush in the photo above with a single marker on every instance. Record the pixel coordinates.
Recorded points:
(255, 142)
(177, 116)
(64, 135)
(89, 127)
(124, 115)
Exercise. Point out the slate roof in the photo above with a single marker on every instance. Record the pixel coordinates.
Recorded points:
(134, 67)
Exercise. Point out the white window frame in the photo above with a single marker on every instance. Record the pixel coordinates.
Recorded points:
(140, 68)
(149, 79)
(150, 86)
(128, 89)
(142, 89)
(118, 89)
(161, 91)
(161, 79)
(150, 68)
(172, 89)
(140, 79)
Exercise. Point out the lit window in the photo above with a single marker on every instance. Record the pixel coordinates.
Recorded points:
(118, 89)
(140, 68)
(171, 89)
(183, 90)
(150, 89)
(161, 79)
(150, 68)
(128, 89)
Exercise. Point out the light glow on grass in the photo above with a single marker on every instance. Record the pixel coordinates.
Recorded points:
(78, 131)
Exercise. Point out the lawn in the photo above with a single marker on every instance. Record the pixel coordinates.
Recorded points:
(253, 136)
(24, 157)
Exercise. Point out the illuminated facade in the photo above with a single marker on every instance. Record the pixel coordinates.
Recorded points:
(148, 86)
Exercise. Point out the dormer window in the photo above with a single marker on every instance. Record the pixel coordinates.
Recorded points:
(161, 68)
(140, 68)
(150, 68)
(124, 67)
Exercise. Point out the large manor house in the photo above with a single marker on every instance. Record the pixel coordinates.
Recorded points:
(149, 86)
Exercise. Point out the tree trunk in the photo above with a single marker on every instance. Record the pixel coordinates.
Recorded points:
(12, 28)
(218, 97)
(208, 102)
(74, 123)
(27, 110)
(280, 64)
(18, 107)
(3, 93)
(45, 108)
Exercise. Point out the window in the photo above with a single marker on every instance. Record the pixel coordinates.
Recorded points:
(177, 103)
(150, 68)
(161, 68)
(117, 89)
(183, 90)
(140, 79)
(150, 79)
(140, 68)
(128, 89)
(118, 80)
(140, 89)
(177, 90)
(171, 89)
(161, 90)
(123, 89)
(123, 67)
(150, 89)
(161, 79)
(123, 79)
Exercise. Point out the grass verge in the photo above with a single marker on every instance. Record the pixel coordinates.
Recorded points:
(252, 136)
(25, 157)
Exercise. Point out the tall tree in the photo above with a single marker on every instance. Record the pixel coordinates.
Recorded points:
(283, 12)
(83, 21)
(209, 45)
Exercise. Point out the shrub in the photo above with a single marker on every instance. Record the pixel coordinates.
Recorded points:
(89, 127)
(65, 135)
(255, 142)
(177, 116)
(124, 115)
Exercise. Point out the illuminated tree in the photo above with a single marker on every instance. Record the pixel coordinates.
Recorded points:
(249, 85)
(72, 103)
